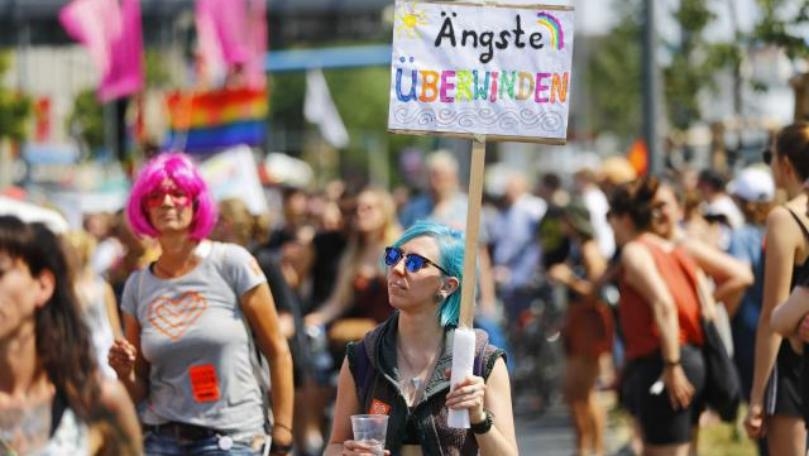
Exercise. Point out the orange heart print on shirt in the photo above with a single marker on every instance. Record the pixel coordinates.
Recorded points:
(173, 316)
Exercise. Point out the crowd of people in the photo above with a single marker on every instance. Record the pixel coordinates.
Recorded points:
(185, 325)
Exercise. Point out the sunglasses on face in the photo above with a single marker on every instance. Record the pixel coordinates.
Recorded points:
(413, 261)
(766, 156)
(156, 198)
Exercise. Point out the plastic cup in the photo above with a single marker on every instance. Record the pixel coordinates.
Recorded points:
(370, 430)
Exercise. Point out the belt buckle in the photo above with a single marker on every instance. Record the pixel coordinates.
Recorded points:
(189, 432)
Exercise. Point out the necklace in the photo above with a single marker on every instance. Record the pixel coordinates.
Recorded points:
(177, 272)
(163, 271)
(412, 388)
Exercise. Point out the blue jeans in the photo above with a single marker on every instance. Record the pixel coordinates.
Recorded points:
(155, 444)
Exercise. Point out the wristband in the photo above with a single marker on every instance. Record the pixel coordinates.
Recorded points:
(282, 426)
(277, 448)
(485, 425)
(672, 363)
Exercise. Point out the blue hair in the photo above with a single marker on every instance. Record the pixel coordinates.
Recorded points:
(451, 250)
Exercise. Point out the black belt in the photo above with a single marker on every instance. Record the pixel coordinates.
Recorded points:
(182, 431)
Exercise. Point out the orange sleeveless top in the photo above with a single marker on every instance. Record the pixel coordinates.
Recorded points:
(641, 335)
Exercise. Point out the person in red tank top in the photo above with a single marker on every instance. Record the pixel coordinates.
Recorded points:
(660, 316)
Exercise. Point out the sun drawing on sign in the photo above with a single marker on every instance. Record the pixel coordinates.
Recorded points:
(408, 17)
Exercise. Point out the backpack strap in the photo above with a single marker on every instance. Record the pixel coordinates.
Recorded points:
(140, 285)
(218, 254)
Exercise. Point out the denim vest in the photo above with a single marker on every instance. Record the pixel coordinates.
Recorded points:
(377, 382)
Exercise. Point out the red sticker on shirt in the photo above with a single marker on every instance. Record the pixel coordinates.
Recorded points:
(379, 408)
(204, 384)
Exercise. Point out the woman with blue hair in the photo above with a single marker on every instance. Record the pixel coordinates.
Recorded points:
(401, 368)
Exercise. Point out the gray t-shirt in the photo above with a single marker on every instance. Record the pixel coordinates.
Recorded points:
(193, 334)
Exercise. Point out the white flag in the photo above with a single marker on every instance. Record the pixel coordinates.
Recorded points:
(318, 108)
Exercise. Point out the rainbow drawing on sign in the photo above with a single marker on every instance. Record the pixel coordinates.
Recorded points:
(553, 25)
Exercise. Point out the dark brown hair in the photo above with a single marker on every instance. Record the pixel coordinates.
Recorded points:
(636, 200)
(755, 212)
(792, 142)
(63, 342)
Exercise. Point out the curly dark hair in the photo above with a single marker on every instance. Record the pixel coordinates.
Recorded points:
(63, 341)
(636, 199)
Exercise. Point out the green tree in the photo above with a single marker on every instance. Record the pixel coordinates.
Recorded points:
(157, 74)
(613, 75)
(15, 108)
(694, 63)
(86, 120)
(614, 68)
(783, 24)
(286, 100)
(361, 97)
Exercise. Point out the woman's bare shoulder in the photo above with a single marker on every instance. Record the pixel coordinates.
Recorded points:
(780, 217)
(635, 254)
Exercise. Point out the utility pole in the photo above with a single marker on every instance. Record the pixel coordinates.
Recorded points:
(651, 90)
(23, 31)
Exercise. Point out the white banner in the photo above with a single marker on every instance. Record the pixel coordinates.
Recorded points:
(232, 173)
(494, 70)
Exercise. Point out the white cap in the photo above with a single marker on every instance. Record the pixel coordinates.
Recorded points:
(753, 184)
(723, 207)
(30, 213)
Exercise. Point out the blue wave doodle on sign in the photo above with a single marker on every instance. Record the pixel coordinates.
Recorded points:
(507, 120)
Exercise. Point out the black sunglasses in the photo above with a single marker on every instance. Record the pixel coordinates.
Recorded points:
(413, 261)
(766, 156)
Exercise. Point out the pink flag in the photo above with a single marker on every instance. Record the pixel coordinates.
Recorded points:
(112, 34)
(93, 23)
(255, 74)
(211, 65)
(126, 74)
(233, 35)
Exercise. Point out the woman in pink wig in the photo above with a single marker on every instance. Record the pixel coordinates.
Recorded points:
(192, 320)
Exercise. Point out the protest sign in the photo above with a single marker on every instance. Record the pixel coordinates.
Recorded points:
(487, 69)
(233, 173)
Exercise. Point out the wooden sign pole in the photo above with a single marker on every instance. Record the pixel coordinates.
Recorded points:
(475, 196)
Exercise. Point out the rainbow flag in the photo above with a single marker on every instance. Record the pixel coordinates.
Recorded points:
(208, 121)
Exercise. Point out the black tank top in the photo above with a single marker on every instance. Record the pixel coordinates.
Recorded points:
(800, 276)
(800, 273)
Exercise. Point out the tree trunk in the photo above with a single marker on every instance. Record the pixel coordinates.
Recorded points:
(719, 155)
(6, 162)
(800, 84)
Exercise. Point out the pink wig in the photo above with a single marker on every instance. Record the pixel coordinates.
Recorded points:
(181, 170)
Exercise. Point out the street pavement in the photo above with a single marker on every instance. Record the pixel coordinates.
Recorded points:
(551, 434)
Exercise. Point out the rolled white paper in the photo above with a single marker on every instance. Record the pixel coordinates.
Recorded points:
(463, 358)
